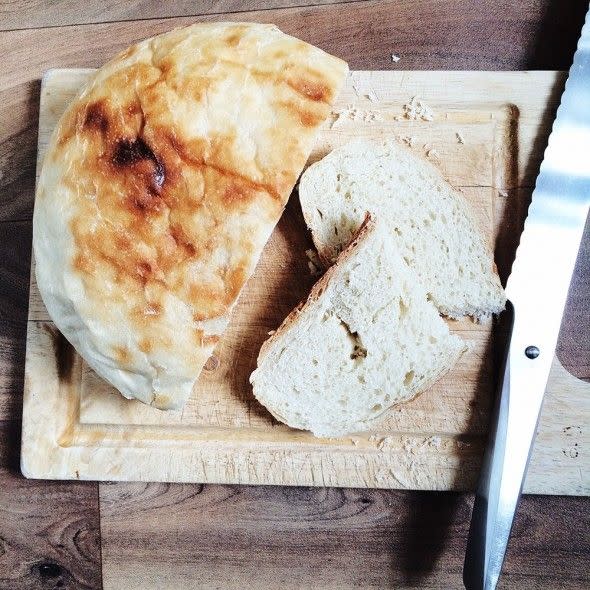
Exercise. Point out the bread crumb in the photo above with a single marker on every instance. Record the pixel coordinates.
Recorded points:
(432, 154)
(384, 443)
(417, 109)
(395, 58)
(354, 441)
(371, 116)
(363, 92)
(271, 332)
(398, 118)
(408, 140)
(502, 192)
(353, 113)
(460, 138)
(371, 95)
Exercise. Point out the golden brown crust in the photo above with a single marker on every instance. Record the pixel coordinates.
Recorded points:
(175, 163)
(143, 169)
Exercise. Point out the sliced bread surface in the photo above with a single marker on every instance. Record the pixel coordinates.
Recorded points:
(432, 225)
(366, 338)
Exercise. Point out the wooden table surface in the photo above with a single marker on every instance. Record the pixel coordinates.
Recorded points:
(122, 536)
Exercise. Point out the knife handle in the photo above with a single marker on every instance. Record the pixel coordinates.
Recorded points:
(513, 429)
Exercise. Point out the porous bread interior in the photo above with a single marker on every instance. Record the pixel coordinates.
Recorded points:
(367, 338)
(431, 223)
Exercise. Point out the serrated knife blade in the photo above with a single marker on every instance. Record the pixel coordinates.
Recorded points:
(537, 291)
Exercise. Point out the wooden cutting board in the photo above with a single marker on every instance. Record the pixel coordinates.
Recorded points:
(486, 135)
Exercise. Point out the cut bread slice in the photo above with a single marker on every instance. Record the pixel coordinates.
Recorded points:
(366, 338)
(432, 225)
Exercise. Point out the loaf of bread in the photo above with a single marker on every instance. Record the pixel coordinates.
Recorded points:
(430, 222)
(366, 338)
(160, 186)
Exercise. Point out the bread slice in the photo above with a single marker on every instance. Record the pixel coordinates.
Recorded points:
(365, 339)
(432, 225)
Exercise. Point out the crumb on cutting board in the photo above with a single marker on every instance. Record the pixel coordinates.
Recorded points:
(408, 140)
(353, 113)
(460, 137)
(368, 93)
(417, 109)
(395, 58)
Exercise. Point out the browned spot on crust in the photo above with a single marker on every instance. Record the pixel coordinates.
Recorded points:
(144, 270)
(236, 193)
(306, 117)
(210, 339)
(122, 354)
(145, 345)
(235, 280)
(315, 91)
(96, 118)
(133, 109)
(122, 242)
(194, 156)
(205, 339)
(83, 263)
(152, 308)
(309, 119)
(166, 66)
(143, 314)
(145, 202)
(143, 173)
(136, 152)
(211, 301)
(233, 39)
(280, 54)
(182, 241)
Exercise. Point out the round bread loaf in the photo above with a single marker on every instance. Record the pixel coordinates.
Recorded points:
(160, 187)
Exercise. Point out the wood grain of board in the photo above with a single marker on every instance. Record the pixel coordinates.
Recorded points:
(223, 434)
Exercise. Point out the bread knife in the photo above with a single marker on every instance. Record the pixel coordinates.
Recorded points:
(537, 291)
